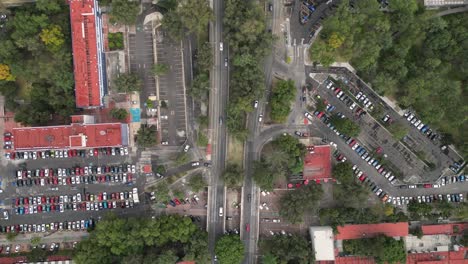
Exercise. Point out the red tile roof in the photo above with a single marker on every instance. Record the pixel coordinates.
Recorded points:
(318, 164)
(85, 53)
(446, 229)
(371, 230)
(72, 136)
(452, 257)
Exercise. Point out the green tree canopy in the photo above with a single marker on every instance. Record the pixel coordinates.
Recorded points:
(197, 183)
(343, 172)
(160, 69)
(294, 150)
(383, 249)
(345, 126)
(119, 113)
(230, 249)
(146, 136)
(128, 82)
(287, 249)
(282, 96)
(233, 175)
(124, 12)
(295, 202)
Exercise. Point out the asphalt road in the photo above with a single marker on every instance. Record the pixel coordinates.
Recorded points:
(217, 109)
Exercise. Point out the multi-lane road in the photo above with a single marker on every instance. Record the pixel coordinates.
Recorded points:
(217, 105)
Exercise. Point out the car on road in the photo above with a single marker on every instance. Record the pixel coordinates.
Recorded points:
(260, 118)
(220, 46)
(221, 211)
(195, 164)
(186, 147)
(225, 62)
(255, 104)
(247, 227)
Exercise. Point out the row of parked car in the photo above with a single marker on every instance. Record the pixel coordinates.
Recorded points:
(72, 198)
(64, 153)
(54, 226)
(7, 140)
(125, 178)
(75, 206)
(78, 171)
(340, 94)
(416, 122)
(174, 202)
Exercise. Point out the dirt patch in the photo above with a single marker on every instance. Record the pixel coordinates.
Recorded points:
(235, 151)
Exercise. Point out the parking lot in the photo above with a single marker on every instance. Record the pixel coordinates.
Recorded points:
(77, 187)
(416, 142)
(171, 90)
(141, 58)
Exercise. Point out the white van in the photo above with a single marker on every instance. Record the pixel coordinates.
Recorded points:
(221, 211)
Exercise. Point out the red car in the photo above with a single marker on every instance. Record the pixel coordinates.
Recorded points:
(129, 176)
(177, 201)
(363, 177)
(96, 152)
(39, 208)
(6, 138)
(17, 201)
(247, 227)
(337, 90)
(427, 185)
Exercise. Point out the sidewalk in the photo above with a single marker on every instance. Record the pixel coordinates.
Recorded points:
(64, 236)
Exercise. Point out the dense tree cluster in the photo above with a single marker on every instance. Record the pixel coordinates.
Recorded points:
(439, 209)
(287, 249)
(384, 249)
(407, 54)
(294, 150)
(249, 42)
(36, 74)
(127, 82)
(340, 216)
(166, 239)
(197, 183)
(119, 113)
(283, 94)
(230, 249)
(123, 12)
(146, 136)
(345, 126)
(296, 202)
(233, 175)
(115, 40)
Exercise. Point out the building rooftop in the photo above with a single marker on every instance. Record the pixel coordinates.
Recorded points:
(322, 242)
(317, 165)
(71, 136)
(85, 53)
(444, 2)
(371, 230)
(446, 229)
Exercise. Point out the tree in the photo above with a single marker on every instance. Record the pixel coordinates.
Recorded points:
(382, 248)
(417, 231)
(146, 136)
(269, 259)
(127, 82)
(345, 126)
(281, 99)
(335, 41)
(197, 183)
(295, 202)
(419, 210)
(182, 158)
(196, 22)
(167, 257)
(287, 249)
(160, 69)
(11, 236)
(52, 37)
(233, 175)
(398, 131)
(205, 57)
(116, 41)
(197, 249)
(5, 73)
(49, 6)
(37, 255)
(294, 150)
(230, 249)
(265, 174)
(119, 113)
(343, 172)
(124, 12)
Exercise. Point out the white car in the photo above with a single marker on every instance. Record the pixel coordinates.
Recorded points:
(220, 46)
(420, 126)
(308, 116)
(195, 164)
(354, 167)
(186, 148)
(329, 85)
(355, 146)
(358, 96)
(333, 144)
(417, 123)
(164, 143)
(352, 106)
(410, 117)
(255, 104)
(260, 118)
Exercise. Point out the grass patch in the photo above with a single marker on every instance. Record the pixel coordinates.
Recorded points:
(202, 139)
(235, 151)
(116, 41)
